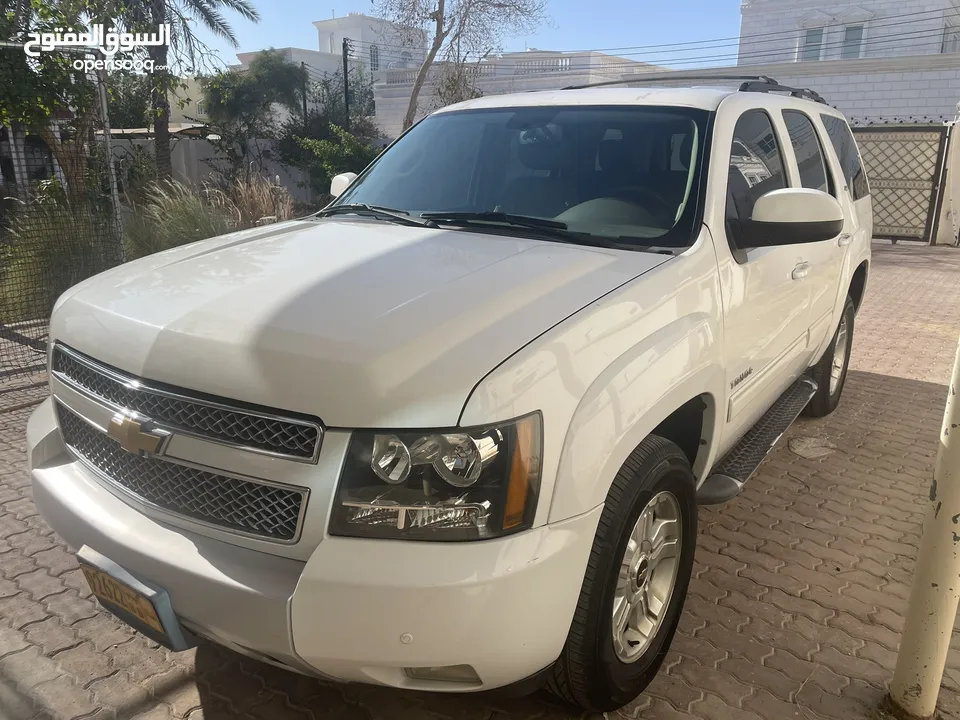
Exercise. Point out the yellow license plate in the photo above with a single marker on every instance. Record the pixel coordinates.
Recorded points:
(114, 592)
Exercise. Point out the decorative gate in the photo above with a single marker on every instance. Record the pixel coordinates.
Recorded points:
(904, 166)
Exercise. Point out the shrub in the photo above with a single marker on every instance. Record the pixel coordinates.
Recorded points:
(258, 202)
(174, 214)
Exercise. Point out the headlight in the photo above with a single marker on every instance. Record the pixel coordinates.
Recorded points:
(461, 484)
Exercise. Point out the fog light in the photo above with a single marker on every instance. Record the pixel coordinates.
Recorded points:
(450, 673)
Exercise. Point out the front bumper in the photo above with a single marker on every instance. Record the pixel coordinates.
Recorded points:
(357, 610)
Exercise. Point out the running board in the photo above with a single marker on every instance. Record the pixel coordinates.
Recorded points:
(732, 472)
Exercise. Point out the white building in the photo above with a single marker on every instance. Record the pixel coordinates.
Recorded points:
(876, 60)
(506, 73)
(376, 45)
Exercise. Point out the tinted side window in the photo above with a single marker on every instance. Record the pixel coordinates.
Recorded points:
(806, 146)
(846, 148)
(755, 169)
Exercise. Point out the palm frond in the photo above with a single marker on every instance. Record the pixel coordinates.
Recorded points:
(243, 8)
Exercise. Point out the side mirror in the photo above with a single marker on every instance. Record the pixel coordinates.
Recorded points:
(792, 216)
(341, 182)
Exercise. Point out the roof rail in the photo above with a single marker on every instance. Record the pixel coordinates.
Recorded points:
(768, 84)
(748, 83)
(667, 77)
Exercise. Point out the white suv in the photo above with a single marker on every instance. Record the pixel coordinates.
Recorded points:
(451, 432)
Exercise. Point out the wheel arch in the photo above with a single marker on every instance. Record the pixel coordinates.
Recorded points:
(858, 284)
(623, 407)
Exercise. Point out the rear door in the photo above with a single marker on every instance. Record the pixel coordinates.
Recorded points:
(825, 258)
(853, 192)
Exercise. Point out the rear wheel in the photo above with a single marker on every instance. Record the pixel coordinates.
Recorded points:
(635, 583)
(830, 373)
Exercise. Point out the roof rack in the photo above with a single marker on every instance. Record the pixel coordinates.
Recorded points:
(748, 83)
(768, 84)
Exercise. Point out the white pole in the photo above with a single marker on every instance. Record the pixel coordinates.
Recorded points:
(936, 581)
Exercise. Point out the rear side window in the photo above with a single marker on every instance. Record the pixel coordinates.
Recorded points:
(756, 166)
(806, 146)
(846, 148)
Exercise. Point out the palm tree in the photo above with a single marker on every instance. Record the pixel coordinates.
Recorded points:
(188, 51)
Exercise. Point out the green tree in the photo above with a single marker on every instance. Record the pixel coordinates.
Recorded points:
(186, 50)
(241, 107)
(326, 93)
(128, 101)
(327, 111)
(35, 91)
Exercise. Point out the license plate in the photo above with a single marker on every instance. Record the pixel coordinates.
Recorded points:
(142, 605)
(113, 592)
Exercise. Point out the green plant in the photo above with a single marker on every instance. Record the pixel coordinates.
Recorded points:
(137, 173)
(240, 108)
(174, 214)
(341, 152)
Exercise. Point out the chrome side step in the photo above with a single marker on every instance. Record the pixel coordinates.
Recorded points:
(732, 472)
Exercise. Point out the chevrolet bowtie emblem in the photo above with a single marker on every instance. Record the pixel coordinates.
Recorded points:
(133, 438)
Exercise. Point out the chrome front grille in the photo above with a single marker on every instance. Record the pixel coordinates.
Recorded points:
(188, 412)
(249, 507)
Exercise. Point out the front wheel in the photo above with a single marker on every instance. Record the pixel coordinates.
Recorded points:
(830, 373)
(635, 582)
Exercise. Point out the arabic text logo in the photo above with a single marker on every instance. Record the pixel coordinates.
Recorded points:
(109, 43)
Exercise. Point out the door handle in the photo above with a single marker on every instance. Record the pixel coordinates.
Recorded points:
(800, 271)
(845, 239)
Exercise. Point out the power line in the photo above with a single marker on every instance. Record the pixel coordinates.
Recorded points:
(755, 58)
(897, 20)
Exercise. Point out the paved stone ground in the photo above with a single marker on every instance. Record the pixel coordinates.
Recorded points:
(795, 611)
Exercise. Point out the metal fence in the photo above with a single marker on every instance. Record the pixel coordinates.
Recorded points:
(904, 165)
(59, 224)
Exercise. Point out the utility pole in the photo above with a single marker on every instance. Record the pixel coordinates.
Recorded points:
(936, 580)
(306, 82)
(346, 85)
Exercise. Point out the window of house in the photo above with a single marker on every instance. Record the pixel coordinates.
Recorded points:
(806, 147)
(374, 58)
(406, 58)
(951, 40)
(852, 42)
(201, 108)
(811, 44)
(846, 148)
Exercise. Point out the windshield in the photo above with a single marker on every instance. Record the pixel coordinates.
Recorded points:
(626, 173)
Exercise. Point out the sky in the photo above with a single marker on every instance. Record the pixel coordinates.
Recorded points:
(573, 25)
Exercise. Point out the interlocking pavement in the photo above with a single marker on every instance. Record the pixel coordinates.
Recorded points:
(795, 611)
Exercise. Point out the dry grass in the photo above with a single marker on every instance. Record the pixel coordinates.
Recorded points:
(175, 214)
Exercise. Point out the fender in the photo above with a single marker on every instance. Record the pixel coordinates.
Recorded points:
(629, 400)
(653, 340)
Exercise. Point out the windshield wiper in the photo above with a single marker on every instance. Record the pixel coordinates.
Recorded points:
(397, 216)
(552, 229)
(497, 217)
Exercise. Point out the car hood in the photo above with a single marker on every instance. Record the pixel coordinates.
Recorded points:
(358, 322)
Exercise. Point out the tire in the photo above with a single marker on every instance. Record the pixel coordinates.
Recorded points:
(591, 671)
(828, 393)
